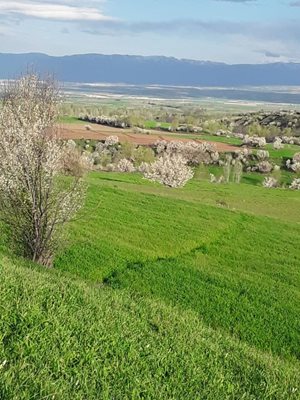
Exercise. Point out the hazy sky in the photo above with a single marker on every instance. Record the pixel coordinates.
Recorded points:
(233, 31)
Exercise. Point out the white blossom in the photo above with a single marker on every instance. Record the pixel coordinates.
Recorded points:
(35, 201)
(254, 141)
(170, 170)
(265, 167)
(125, 165)
(262, 155)
(295, 185)
(277, 145)
(294, 164)
(270, 182)
(111, 141)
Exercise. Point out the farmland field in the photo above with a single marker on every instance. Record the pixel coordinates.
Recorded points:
(160, 293)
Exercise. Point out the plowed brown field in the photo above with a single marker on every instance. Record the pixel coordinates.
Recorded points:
(99, 132)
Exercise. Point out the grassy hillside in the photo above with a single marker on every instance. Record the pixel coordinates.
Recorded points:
(160, 294)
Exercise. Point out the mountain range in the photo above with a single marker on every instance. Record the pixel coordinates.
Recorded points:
(92, 68)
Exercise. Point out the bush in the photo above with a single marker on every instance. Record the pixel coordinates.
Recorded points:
(262, 155)
(277, 145)
(143, 154)
(254, 141)
(265, 167)
(270, 182)
(111, 141)
(125, 165)
(295, 185)
(294, 164)
(127, 150)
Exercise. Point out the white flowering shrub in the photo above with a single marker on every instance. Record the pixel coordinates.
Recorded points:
(270, 182)
(254, 141)
(265, 167)
(169, 170)
(125, 165)
(71, 144)
(296, 157)
(160, 146)
(143, 167)
(295, 185)
(291, 140)
(277, 144)
(294, 164)
(214, 179)
(35, 200)
(243, 155)
(110, 167)
(262, 155)
(111, 141)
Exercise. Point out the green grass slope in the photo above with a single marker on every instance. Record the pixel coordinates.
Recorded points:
(63, 339)
(190, 293)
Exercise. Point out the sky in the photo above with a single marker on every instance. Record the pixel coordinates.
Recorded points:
(231, 31)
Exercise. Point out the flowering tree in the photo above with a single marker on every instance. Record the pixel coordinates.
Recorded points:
(36, 200)
(170, 170)
(194, 153)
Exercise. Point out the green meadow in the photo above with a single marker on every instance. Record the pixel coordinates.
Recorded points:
(159, 293)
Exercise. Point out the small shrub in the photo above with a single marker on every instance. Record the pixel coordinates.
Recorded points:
(254, 141)
(278, 145)
(270, 182)
(127, 150)
(264, 167)
(125, 165)
(262, 155)
(111, 141)
(295, 185)
(294, 164)
(143, 155)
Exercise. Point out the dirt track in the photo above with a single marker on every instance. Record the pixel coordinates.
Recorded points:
(99, 132)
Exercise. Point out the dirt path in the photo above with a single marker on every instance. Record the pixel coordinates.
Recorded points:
(99, 132)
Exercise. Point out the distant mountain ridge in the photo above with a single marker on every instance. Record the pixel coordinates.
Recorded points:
(92, 68)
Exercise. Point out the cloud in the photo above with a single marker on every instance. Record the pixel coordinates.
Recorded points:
(60, 10)
(281, 43)
(269, 54)
(289, 29)
(295, 4)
